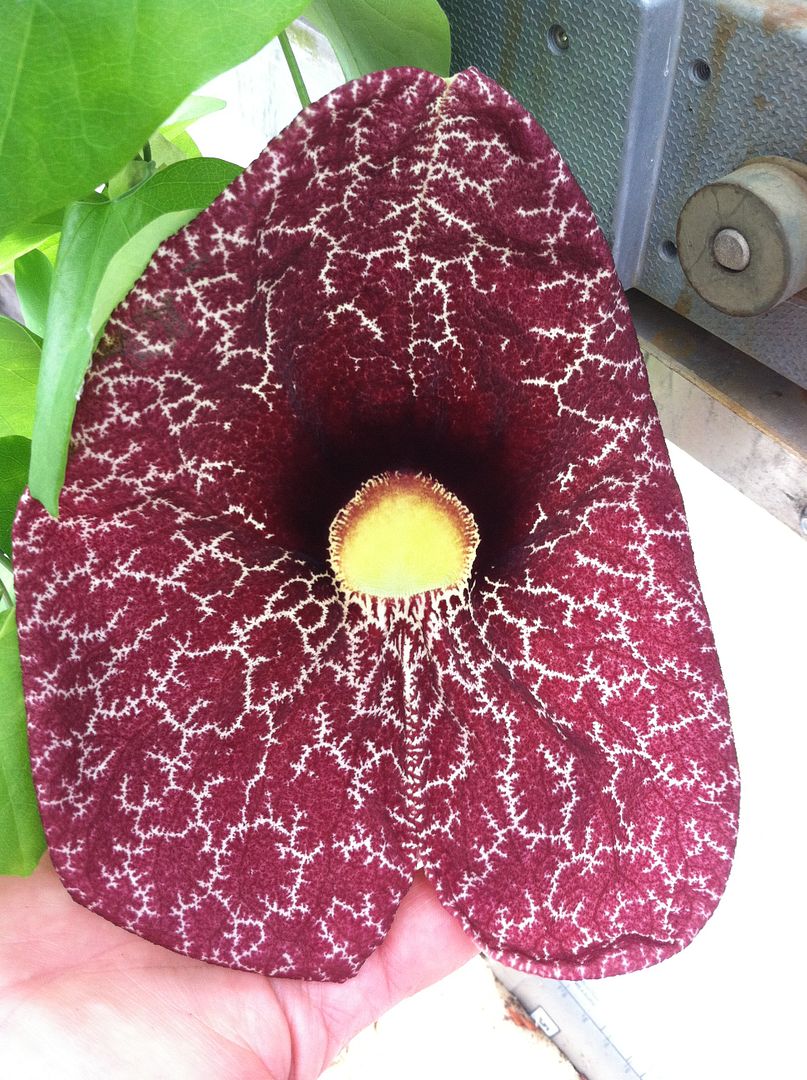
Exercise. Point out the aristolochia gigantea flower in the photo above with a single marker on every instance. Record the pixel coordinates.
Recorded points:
(370, 558)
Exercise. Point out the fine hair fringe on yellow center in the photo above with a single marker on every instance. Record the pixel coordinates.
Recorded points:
(402, 534)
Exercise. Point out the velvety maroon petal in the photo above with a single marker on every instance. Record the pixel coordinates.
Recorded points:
(217, 749)
(584, 719)
(231, 371)
(233, 762)
(215, 752)
(581, 790)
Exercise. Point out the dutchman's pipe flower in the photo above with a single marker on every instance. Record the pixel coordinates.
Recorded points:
(371, 558)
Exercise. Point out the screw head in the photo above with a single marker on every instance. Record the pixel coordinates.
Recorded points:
(803, 520)
(558, 38)
(730, 248)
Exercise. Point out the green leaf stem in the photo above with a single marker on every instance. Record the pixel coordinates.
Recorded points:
(33, 274)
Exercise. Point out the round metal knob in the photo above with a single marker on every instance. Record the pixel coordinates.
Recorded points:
(731, 249)
(742, 241)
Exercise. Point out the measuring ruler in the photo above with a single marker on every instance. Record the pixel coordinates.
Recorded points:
(574, 1019)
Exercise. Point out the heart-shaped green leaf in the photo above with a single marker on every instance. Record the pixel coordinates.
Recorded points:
(105, 247)
(22, 840)
(84, 84)
(370, 36)
(19, 370)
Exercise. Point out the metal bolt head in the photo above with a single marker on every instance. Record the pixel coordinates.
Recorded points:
(731, 250)
(558, 38)
(803, 520)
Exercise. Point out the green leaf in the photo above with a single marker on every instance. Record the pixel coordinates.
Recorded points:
(134, 172)
(33, 274)
(105, 247)
(191, 110)
(15, 455)
(22, 839)
(27, 237)
(371, 35)
(128, 263)
(164, 151)
(84, 84)
(50, 246)
(19, 371)
(185, 144)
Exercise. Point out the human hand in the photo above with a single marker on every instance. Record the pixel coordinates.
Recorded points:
(81, 998)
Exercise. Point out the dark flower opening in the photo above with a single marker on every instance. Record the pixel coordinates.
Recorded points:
(476, 477)
(239, 761)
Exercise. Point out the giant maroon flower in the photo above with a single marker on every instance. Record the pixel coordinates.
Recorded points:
(243, 757)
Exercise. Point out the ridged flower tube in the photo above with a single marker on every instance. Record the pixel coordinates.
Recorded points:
(241, 751)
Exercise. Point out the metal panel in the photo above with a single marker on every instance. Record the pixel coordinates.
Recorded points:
(755, 103)
(734, 74)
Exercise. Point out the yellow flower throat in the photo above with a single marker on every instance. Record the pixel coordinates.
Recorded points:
(402, 534)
